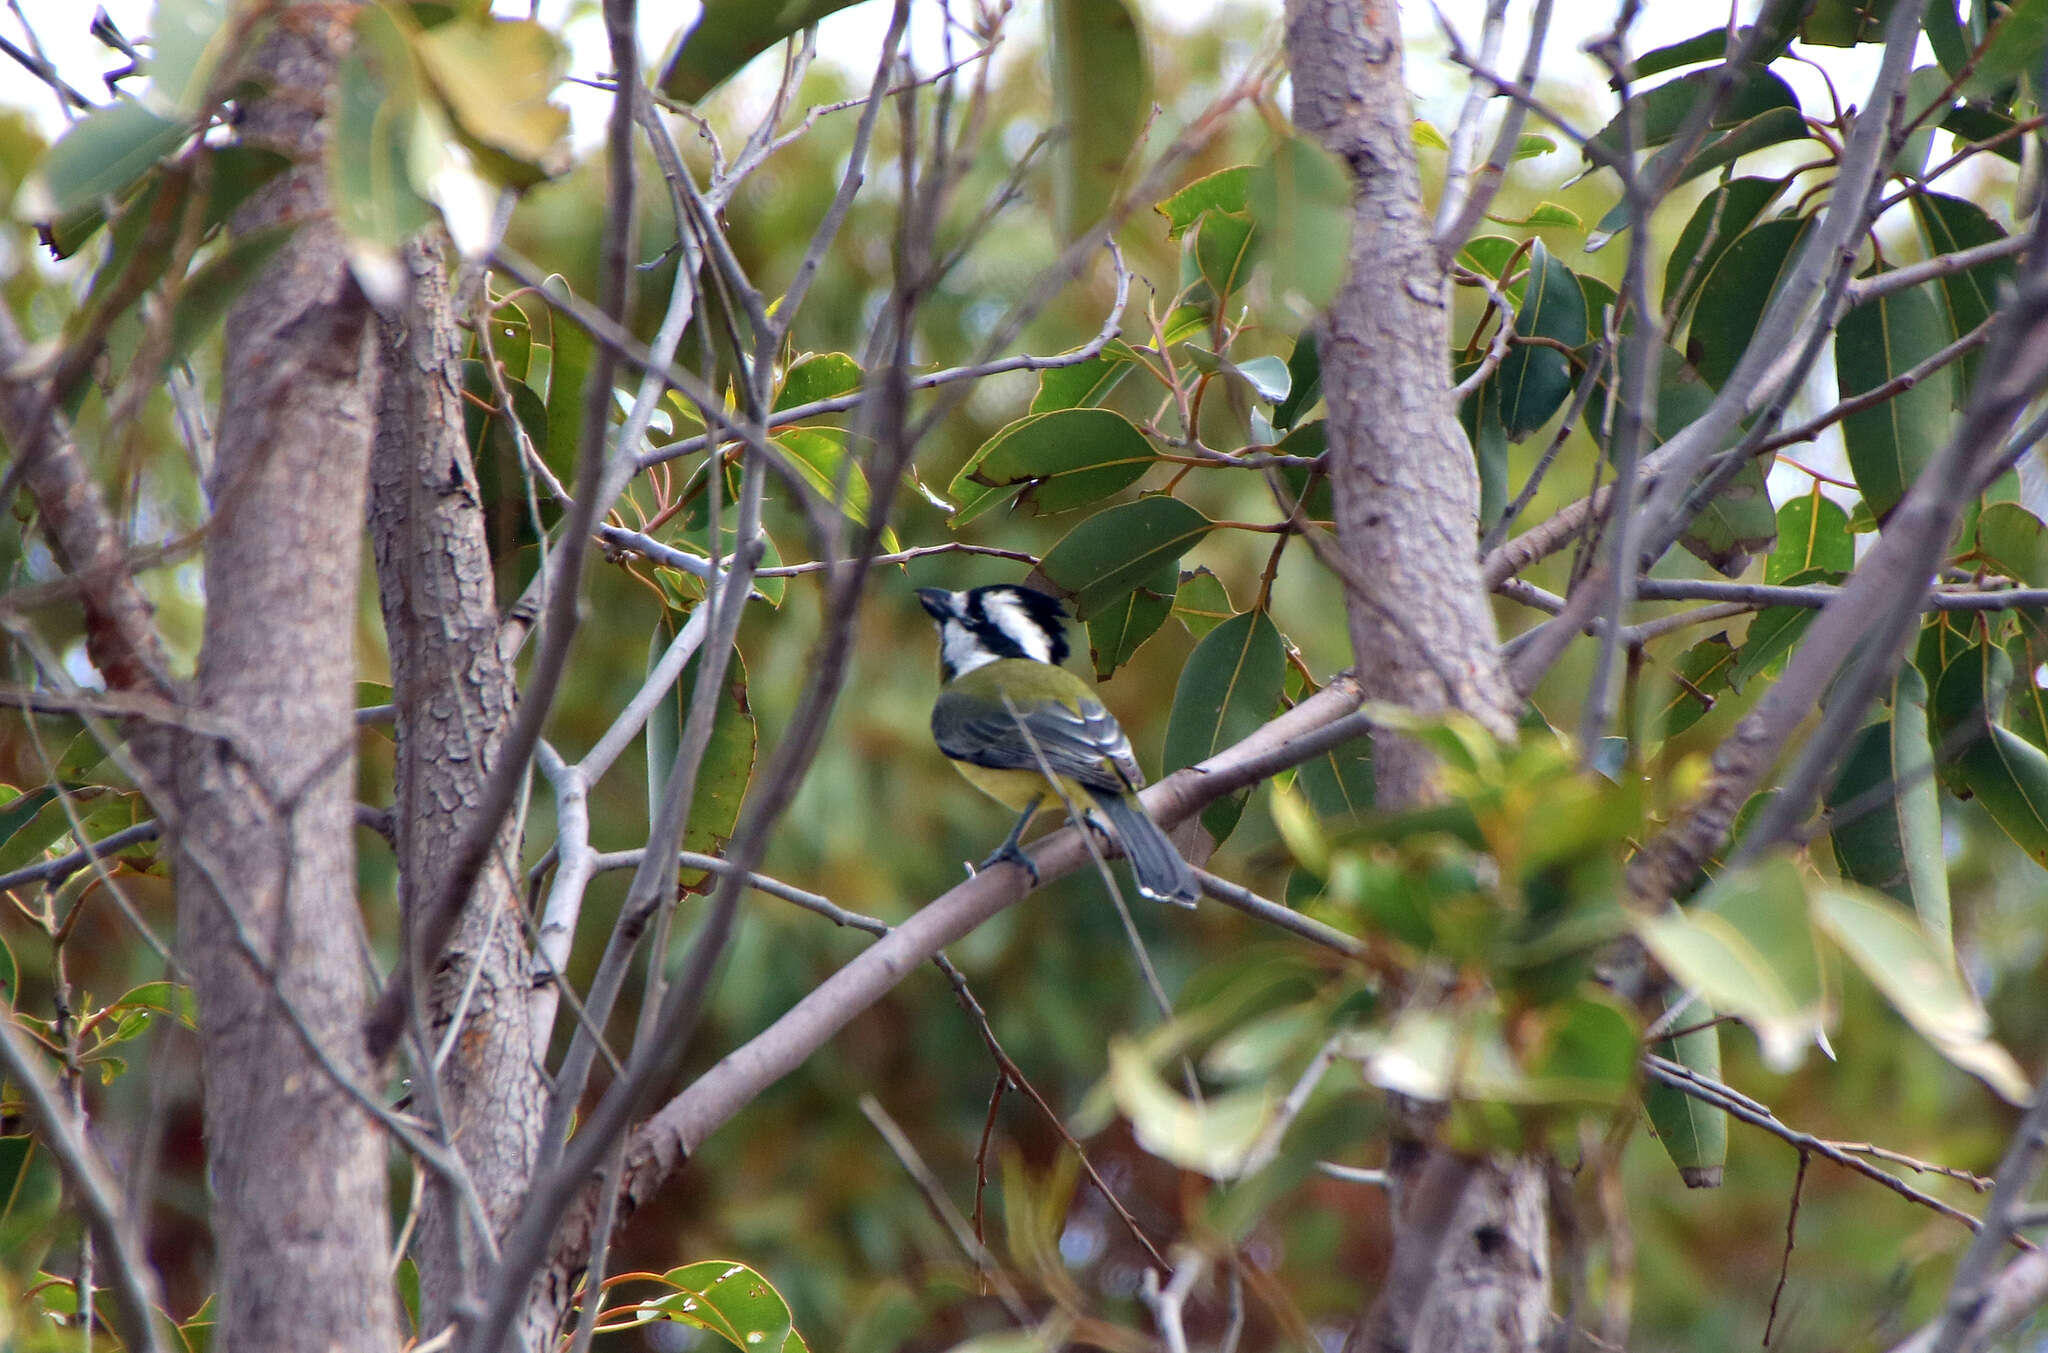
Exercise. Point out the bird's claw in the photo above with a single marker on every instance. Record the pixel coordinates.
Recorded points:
(1011, 853)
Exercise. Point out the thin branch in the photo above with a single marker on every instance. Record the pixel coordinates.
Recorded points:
(1744, 1109)
(945, 1210)
(95, 1191)
(1971, 1288)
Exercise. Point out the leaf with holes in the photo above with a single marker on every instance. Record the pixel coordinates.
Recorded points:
(730, 1300)
(815, 376)
(1699, 676)
(1085, 384)
(1201, 603)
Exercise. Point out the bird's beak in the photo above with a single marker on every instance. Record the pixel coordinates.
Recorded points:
(937, 602)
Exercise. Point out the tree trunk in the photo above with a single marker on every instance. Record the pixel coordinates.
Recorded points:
(268, 929)
(454, 696)
(1470, 1270)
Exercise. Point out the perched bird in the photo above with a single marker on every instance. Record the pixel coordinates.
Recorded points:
(1008, 713)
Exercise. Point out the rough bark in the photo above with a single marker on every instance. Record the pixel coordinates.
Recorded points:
(454, 696)
(268, 930)
(1470, 1269)
(1407, 497)
(120, 627)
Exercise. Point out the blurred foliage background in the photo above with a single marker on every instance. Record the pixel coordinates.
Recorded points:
(804, 1189)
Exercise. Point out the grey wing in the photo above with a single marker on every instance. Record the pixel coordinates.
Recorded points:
(1074, 744)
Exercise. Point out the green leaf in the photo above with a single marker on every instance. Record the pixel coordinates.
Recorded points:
(820, 455)
(1479, 413)
(1720, 218)
(1841, 23)
(1747, 948)
(1773, 631)
(2009, 776)
(729, 34)
(1711, 45)
(1065, 459)
(380, 118)
(1339, 783)
(85, 815)
(1226, 190)
(1490, 255)
(1917, 974)
(1201, 603)
(1117, 631)
(1893, 841)
(1889, 444)
(1102, 91)
(1304, 382)
(1813, 533)
(494, 76)
(2005, 772)
(1084, 384)
(10, 975)
(1761, 132)
(1972, 123)
(1212, 1138)
(1945, 35)
(1544, 214)
(31, 1193)
(2013, 541)
(725, 771)
(99, 156)
(1663, 109)
(1693, 1134)
(1950, 225)
(1735, 294)
(732, 1301)
(1584, 1051)
(1736, 523)
(2011, 49)
(1916, 802)
(568, 374)
(1223, 251)
(1120, 548)
(1702, 672)
(815, 376)
(1300, 198)
(1230, 686)
(187, 39)
(1535, 381)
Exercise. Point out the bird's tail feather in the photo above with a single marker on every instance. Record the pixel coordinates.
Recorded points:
(1161, 872)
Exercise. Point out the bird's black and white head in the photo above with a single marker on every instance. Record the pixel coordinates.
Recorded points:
(980, 625)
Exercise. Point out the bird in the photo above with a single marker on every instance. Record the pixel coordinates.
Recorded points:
(1008, 713)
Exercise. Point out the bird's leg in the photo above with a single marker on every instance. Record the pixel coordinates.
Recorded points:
(1009, 851)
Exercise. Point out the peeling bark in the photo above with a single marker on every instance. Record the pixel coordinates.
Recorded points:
(265, 850)
(454, 697)
(1470, 1270)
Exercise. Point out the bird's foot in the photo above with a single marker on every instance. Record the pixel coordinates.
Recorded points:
(1010, 853)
